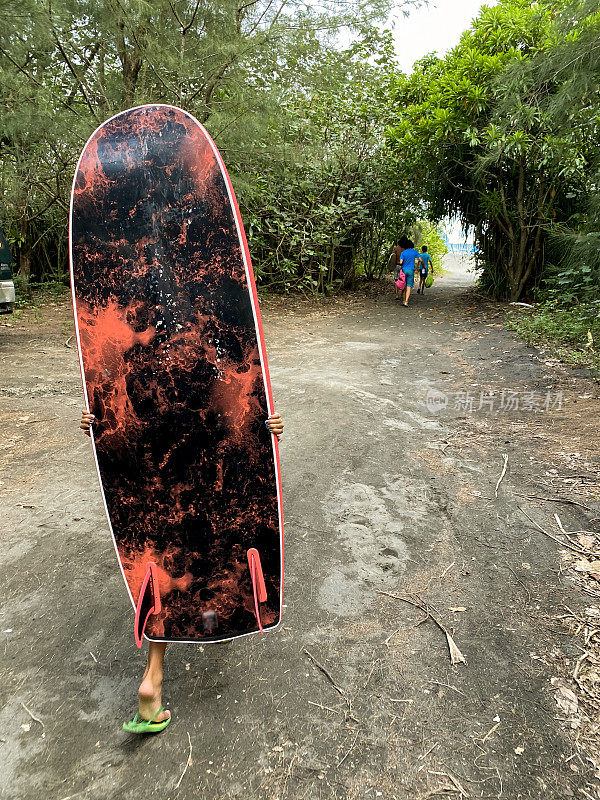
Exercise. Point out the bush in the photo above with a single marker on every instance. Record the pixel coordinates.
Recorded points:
(574, 332)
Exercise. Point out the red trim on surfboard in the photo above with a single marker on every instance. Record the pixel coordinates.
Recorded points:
(261, 338)
(258, 328)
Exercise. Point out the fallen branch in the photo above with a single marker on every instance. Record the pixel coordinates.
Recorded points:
(573, 533)
(455, 783)
(189, 761)
(331, 680)
(456, 657)
(431, 749)
(391, 636)
(491, 730)
(554, 538)
(566, 500)
(502, 474)
(448, 686)
(325, 672)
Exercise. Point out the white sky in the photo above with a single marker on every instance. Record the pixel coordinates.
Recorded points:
(436, 27)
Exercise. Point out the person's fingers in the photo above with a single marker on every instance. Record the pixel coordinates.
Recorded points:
(275, 425)
(87, 419)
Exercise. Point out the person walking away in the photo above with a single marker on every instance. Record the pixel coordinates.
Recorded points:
(395, 263)
(407, 264)
(425, 262)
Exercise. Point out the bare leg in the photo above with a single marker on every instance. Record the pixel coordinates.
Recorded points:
(150, 691)
(406, 295)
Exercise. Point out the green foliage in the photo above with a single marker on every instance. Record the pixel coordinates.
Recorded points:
(299, 121)
(484, 139)
(573, 333)
(566, 79)
(325, 213)
(429, 234)
(31, 294)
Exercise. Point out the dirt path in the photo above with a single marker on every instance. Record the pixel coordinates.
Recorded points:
(382, 494)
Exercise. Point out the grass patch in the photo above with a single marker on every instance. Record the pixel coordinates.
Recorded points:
(31, 295)
(573, 332)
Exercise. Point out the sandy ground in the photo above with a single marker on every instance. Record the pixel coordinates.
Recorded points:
(382, 493)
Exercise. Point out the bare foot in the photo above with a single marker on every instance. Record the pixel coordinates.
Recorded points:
(150, 697)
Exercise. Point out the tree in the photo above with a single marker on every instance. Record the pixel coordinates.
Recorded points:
(262, 75)
(565, 80)
(481, 142)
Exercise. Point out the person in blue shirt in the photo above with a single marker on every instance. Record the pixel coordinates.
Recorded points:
(407, 261)
(425, 261)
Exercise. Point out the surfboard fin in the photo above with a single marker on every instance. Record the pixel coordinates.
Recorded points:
(258, 583)
(148, 602)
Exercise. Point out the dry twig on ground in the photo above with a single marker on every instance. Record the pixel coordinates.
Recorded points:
(33, 716)
(188, 762)
(566, 500)
(341, 761)
(502, 474)
(456, 657)
(554, 538)
(332, 681)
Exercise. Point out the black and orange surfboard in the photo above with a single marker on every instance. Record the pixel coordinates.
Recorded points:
(174, 368)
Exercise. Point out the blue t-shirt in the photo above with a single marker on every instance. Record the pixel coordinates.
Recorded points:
(408, 259)
(425, 258)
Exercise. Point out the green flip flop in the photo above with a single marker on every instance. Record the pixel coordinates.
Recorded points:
(140, 725)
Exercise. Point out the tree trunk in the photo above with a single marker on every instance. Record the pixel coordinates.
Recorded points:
(24, 253)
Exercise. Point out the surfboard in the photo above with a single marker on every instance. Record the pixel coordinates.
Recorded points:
(174, 369)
